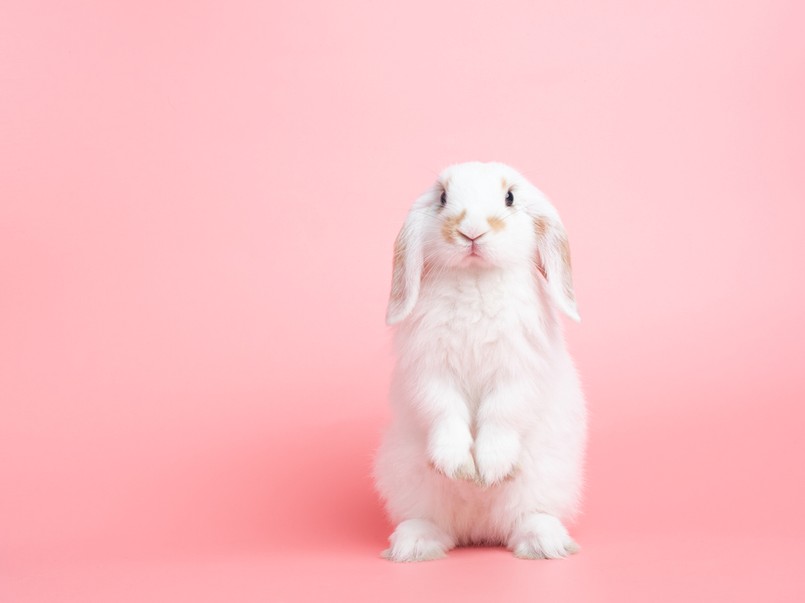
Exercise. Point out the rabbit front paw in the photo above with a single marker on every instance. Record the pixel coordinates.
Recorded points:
(455, 464)
(450, 451)
(497, 453)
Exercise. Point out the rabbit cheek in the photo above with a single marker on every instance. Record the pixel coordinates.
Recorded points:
(495, 223)
(450, 226)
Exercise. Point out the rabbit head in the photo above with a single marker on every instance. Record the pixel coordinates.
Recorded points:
(480, 216)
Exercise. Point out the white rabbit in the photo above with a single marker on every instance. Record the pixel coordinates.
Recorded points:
(487, 439)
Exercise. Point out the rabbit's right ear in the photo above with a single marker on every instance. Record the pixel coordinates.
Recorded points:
(407, 270)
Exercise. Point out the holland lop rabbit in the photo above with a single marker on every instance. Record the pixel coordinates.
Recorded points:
(488, 433)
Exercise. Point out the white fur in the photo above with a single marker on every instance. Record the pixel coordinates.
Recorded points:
(489, 426)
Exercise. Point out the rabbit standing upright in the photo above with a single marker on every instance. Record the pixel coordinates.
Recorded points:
(488, 434)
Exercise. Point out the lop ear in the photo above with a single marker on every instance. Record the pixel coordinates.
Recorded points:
(407, 268)
(553, 261)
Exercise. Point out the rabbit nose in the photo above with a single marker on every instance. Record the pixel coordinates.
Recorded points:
(471, 234)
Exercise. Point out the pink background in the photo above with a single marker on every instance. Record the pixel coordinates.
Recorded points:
(197, 206)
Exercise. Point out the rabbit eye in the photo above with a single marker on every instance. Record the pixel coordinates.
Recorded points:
(509, 199)
(443, 199)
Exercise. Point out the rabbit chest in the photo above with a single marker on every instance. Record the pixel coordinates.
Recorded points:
(478, 330)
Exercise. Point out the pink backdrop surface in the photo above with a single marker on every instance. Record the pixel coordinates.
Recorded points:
(197, 206)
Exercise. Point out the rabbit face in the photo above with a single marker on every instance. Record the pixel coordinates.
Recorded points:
(477, 217)
(480, 216)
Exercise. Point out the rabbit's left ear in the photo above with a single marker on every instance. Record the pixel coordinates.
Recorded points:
(407, 268)
(553, 261)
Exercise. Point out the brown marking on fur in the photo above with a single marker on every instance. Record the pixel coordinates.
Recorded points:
(450, 225)
(504, 184)
(540, 226)
(398, 272)
(557, 238)
(540, 229)
(564, 254)
(496, 223)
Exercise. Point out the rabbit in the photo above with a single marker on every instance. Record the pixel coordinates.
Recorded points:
(488, 433)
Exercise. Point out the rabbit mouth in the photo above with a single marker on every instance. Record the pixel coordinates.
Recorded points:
(475, 249)
(474, 252)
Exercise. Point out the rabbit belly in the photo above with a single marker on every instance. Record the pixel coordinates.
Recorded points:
(548, 479)
(478, 337)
